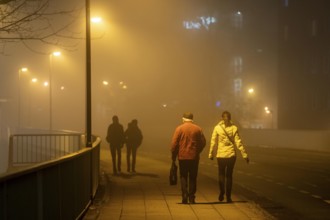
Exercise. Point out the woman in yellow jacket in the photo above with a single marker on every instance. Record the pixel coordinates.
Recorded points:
(224, 140)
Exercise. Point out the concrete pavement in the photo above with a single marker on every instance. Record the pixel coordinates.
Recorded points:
(147, 194)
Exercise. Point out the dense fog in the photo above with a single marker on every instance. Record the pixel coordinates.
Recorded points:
(151, 61)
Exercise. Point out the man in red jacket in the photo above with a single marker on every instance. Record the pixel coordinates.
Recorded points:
(187, 143)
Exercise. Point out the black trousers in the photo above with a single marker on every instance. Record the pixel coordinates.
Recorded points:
(225, 169)
(188, 176)
(116, 158)
(131, 150)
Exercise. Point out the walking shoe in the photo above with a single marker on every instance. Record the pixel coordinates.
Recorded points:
(184, 201)
(229, 200)
(221, 197)
(192, 201)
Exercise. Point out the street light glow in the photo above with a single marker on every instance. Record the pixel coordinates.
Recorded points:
(46, 84)
(96, 19)
(251, 90)
(56, 53)
(24, 69)
(105, 83)
(34, 80)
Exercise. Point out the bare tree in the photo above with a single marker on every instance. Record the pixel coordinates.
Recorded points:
(42, 21)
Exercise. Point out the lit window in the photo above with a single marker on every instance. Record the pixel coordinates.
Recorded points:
(237, 86)
(238, 65)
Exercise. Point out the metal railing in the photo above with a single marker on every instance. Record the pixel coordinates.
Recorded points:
(61, 188)
(25, 149)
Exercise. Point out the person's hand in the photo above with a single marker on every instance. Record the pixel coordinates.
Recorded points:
(247, 160)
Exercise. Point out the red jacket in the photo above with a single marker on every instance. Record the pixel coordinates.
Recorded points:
(188, 142)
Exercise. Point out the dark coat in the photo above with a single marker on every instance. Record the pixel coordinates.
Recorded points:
(115, 135)
(133, 136)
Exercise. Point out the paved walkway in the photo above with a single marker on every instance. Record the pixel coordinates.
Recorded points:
(148, 195)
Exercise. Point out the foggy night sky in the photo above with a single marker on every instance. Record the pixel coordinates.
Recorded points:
(143, 44)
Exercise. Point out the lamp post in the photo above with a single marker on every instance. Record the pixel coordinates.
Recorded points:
(268, 111)
(20, 71)
(32, 82)
(88, 78)
(249, 107)
(89, 73)
(54, 54)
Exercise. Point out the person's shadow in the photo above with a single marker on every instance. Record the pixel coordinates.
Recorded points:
(132, 175)
(214, 203)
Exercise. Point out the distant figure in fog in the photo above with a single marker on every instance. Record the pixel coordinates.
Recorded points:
(115, 137)
(188, 141)
(225, 139)
(133, 139)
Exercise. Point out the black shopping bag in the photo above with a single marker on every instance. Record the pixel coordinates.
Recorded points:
(173, 174)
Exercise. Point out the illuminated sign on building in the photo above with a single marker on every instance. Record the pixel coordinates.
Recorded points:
(200, 22)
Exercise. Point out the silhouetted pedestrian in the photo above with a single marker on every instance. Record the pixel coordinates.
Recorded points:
(188, 141)
(133, 139)
(225, 139)
(115, 137)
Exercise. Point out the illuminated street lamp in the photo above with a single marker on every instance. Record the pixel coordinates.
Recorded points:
(88, 77)
(54, 54)
(269, 111)
(251, 91)
(20, 71)
(96, 19)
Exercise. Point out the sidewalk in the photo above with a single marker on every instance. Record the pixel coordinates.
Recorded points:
(148, 195)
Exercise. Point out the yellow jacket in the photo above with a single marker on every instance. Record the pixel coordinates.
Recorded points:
(223, 145)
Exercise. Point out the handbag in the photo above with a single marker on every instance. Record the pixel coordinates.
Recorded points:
(173, 174)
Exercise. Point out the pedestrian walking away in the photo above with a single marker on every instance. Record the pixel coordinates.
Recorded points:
(224, 141)
(115, 138)
(133, 139)
(188, 142)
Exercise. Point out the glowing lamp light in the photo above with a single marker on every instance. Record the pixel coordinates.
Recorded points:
(267, 110)
(24, 69)
(96, 19)
(105, 83)
(56, 53)
(34, 80)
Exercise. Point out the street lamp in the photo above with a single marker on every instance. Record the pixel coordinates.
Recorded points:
(88, 77)
(20, 71)
(54, 54)
(96, 19)
(269, 111)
